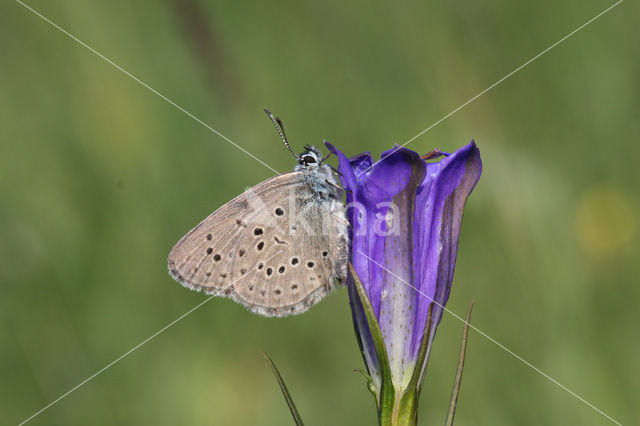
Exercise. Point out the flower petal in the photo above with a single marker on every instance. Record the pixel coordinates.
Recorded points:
(347, 176)
(439, 208)
(405, 217)
(363, 334)
(382, 247)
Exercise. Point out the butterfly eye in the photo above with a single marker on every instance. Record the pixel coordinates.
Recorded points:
(308, 159)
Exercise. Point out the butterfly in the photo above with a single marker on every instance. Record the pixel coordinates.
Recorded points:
(278, 248)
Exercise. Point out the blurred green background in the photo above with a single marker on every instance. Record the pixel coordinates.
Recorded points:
(99, 177)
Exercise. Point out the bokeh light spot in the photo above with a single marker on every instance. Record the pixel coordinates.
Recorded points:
(605, 219)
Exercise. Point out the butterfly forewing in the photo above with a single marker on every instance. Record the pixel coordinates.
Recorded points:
(278, 248)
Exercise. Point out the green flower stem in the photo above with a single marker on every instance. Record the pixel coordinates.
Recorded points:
(403, 411)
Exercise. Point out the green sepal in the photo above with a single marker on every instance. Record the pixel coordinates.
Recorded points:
(458, 380)
(285, 391)
(386, 399)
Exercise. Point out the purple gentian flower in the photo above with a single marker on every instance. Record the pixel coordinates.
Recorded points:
(405, 217)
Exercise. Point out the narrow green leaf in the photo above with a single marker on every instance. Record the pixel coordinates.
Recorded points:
(458, 380)
(386, 391)
(285, 391)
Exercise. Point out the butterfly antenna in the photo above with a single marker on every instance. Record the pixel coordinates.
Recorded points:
(280, 128)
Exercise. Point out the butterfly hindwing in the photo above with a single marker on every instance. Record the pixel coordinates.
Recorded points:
(294, 269)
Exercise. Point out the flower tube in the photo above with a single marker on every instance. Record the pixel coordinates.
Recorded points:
(405, 217)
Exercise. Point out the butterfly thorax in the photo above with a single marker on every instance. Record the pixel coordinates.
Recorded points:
(319, 177)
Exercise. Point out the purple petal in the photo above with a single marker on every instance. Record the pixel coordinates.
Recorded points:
(440, 204)
(405, 217)
(361, 163)
(348, 180)
(347, 177)
(382, 246)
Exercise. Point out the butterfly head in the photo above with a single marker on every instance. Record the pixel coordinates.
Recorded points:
(311, 157)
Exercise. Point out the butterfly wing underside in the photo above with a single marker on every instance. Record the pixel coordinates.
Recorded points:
(278, 248)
